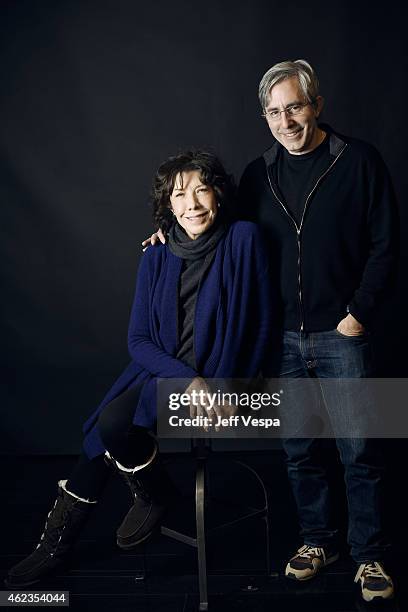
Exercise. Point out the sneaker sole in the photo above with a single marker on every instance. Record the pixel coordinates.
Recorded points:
(290, 574)
(368, 597)
(378, 598)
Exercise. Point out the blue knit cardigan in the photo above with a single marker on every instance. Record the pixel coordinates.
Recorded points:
(232, 322)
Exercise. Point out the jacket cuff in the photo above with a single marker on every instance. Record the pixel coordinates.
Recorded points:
(361, 312)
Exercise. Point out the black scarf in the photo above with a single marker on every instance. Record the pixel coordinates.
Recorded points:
(181, 245)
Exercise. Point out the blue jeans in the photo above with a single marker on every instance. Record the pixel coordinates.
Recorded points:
(332, 355)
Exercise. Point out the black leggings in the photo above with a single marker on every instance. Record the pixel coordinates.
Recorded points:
(129, 444)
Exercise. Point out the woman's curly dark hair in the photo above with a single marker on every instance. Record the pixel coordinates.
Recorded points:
(212, 173)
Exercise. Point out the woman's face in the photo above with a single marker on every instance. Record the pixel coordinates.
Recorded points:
(193, 203)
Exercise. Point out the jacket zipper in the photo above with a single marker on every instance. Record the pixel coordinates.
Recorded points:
(300, 227)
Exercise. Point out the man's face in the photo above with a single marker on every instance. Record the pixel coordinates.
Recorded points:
(298, 134)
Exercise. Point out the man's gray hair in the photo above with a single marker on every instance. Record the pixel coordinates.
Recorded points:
(300, 69)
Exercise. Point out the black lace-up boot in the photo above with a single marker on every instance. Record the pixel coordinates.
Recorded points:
(62, 527)
(152, 491)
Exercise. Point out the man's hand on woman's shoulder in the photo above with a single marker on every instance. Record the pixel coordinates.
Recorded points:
(154, 238)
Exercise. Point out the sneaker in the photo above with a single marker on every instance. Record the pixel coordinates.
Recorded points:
(308, 561)
(375, 583)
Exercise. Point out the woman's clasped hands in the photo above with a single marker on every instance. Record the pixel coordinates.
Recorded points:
(204, 406)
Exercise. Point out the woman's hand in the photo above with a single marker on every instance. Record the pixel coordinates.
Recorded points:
(200, 404)
(153, 239)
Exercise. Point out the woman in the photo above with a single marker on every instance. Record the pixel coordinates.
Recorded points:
(201, 310)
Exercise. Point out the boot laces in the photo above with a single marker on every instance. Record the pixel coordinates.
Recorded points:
(52, 534)
(139, 490)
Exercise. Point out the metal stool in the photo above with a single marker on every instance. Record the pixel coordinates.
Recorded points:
(201, 449)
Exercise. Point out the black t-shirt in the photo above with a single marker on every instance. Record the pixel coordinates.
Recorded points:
(296, 175)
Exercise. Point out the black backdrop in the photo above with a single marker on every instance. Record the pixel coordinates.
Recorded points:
(94, 94)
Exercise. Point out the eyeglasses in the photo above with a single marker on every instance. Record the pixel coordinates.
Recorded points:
(290, 111)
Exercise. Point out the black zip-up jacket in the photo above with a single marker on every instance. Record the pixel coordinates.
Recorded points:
(341, 257)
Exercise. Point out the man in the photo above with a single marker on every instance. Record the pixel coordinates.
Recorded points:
(327, 206)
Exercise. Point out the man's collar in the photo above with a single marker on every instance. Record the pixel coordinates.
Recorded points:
(336, 143)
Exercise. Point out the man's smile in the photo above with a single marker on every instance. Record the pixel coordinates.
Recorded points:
(291, 134)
